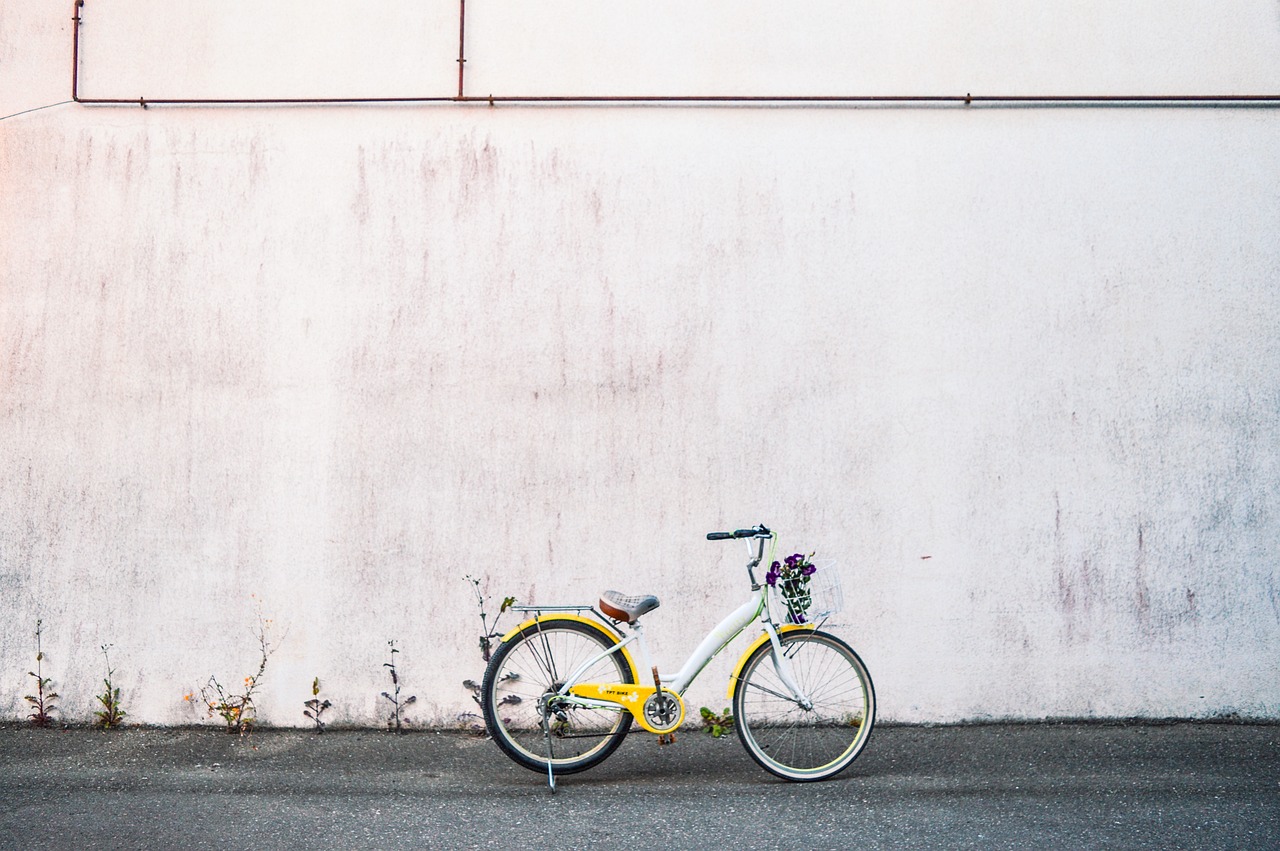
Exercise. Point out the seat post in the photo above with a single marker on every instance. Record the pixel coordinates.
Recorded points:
(646, 662)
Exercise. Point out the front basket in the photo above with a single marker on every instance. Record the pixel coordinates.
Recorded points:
(799, 602)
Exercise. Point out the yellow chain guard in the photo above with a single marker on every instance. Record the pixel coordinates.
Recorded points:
(631, 698)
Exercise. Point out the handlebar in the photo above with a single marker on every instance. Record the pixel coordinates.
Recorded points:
(754, 532)
(760, 533)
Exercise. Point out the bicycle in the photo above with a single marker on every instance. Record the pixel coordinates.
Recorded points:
(563, 688)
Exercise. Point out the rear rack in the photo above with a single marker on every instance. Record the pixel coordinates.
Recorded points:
(552, 608)
(601, 616)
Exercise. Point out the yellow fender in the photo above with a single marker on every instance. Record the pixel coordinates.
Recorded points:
(631, 697)
(742, 661)
(605, 631)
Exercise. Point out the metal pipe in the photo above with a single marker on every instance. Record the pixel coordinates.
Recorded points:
(145, 102)
(967, 99)
(462, 40)
(75, 51)
(777, 100)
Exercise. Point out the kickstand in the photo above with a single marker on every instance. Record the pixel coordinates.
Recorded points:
(546, 736)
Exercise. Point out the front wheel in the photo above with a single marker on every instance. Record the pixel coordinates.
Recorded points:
(521, 712)
(779, 732)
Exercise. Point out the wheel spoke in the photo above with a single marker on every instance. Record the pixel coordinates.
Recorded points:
(539, 657)
(797, 743)
(776, 694)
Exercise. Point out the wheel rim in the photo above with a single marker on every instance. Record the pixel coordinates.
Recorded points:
(806, 743)
(540, 661)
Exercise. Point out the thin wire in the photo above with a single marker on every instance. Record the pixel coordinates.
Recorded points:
(35, 109)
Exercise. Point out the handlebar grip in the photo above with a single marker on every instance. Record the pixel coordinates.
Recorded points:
(757, 532)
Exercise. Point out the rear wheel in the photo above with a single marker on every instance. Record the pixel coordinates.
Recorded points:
(518, 690)
(785, 737)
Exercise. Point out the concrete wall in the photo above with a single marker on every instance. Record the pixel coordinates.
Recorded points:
(1017, 369)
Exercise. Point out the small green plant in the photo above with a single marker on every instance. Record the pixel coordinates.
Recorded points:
(508, 700)
(315, 707)
(487, 632)
(237, 709)
(111, 714)
(44, 701)
(396, 720)
(470, 721)
(717, 724)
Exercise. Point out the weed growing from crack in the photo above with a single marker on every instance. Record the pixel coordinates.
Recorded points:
(717, 724)
(471, 722)
(44, 701)
(395, 720)
(487, 632)
(315, 707)
(111, 714)
(236, 708)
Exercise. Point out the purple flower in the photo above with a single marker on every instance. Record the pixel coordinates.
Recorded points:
(772, 576)
(808, 570)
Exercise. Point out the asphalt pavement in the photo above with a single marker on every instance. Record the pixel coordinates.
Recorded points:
(997, 786)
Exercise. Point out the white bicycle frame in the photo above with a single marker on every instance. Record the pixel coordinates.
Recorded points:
(716, 640)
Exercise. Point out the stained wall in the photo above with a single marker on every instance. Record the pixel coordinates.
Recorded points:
(1017, 370)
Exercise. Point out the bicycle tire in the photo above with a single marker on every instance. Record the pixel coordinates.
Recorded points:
(784, 738)
(538, 655)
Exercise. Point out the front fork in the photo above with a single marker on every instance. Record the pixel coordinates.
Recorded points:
(782, 664)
